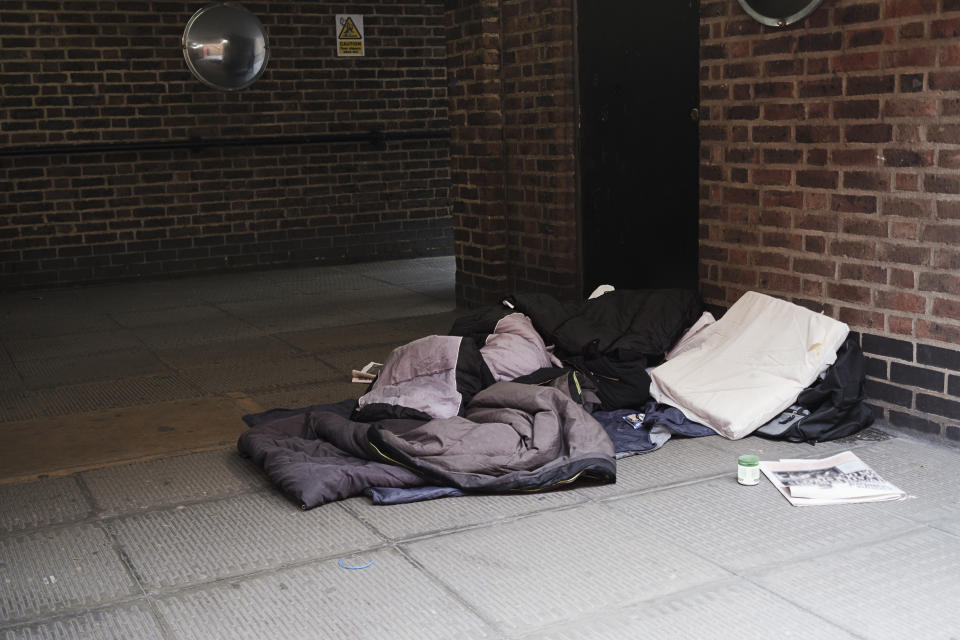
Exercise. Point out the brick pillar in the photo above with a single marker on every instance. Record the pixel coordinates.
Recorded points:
(512, 120)
(476, 149)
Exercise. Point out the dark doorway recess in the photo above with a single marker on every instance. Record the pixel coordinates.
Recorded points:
(638, 89)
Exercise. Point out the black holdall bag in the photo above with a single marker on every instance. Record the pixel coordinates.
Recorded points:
(832, 407)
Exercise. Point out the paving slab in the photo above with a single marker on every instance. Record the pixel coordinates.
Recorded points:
(356, 336)
(902, 587)
(50, 501)
(124, 622)
(50, 570)
(177, 314)
(402, 521)
(679, 460)
(70, 345)
(167, 336)
(927, 473)
(745, 527)
(724, 609)
(208, 541)
(319, 312)
(407, 271)
(554, 567)
(239, 352)
(327, 281)
(400, 305)
(171, 481)
(391, 598)
(44, 322)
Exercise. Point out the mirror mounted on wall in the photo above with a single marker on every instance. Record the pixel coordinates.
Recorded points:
(225, 46)
(779, 13)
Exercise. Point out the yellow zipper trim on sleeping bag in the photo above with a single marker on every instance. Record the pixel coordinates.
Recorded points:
(386, 457)
(550, 486)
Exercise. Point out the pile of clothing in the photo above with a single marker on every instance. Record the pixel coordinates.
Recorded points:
(536, 393)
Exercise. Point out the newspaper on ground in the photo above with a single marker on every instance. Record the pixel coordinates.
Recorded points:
(368, 374)
(840, 479)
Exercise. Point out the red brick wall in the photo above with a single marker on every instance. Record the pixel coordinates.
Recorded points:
(98, 72)
(512, 147)
(829, 153)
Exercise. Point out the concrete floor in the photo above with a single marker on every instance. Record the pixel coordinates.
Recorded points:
(125, 511)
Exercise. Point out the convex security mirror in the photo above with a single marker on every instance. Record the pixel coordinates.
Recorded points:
(225, 46)
(779, 13)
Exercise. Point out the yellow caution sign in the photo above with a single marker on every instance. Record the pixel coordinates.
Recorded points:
(350, 40)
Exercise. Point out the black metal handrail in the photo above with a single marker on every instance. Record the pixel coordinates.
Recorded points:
(197, 144)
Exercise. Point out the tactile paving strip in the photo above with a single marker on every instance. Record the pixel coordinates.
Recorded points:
(55, 569)
(906, 587)
(44, 502)
(729, 609)
(741, 527)
(225, 377)
(170, 481)
(78, 398)
(211, 540)
(418, 518)
(557, 566)
(41, 374)
(389, 599)
(130, 622)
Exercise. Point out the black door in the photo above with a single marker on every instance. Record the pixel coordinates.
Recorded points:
(638, 146)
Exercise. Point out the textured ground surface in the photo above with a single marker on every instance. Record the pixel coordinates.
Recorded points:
(125, 511)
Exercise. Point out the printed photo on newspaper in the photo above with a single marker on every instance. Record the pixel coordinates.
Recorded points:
(840, 479)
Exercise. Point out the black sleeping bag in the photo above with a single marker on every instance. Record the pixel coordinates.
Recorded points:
(613, 338)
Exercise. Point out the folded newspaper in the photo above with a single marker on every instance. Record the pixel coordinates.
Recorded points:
(840, 479)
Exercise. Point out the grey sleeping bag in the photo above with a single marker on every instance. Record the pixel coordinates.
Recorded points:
(513, 437)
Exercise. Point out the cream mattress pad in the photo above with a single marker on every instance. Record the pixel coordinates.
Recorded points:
(750, 365)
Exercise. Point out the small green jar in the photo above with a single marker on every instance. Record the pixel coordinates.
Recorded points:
(748, 470)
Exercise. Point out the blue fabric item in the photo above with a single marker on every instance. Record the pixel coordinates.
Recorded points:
(660, 422)
(391, 495)
(673, 419)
